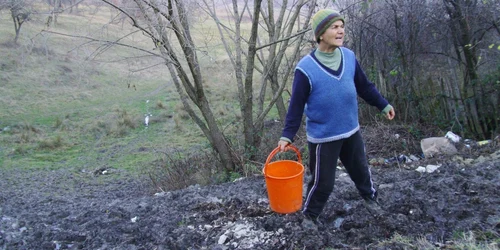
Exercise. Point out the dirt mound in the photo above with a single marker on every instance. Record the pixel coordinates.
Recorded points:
(66, 210)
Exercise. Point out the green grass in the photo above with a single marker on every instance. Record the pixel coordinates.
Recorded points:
(61, 110)
(461, 241)
(68, 102)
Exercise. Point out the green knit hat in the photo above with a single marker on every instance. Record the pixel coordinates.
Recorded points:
(322, 20)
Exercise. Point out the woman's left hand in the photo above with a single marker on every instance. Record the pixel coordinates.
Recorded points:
(390, 115)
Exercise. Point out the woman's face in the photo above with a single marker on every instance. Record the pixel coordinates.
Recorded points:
(333, 37)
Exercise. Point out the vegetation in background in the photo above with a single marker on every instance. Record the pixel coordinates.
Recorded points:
(431, 60)
(89, 89)
(170, 27)
(72, 100)
(60, 109)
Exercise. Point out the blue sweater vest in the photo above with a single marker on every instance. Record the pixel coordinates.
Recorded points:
(332, 107)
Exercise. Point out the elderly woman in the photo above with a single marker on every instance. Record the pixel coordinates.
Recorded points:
(326, 85)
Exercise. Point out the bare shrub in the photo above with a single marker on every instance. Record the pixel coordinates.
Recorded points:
(25, 137)
(161, 117)
(62, 124)
(175, 170)
(42, 51)
(389, 140)
(160, 105)
(100, 128)
(180, 116)
(19, 151)
(118, 131)
(58, 123)
(125, 120)
(25, 133)
(9, 44)
(116, 125)
(30, 128)
(51, 144)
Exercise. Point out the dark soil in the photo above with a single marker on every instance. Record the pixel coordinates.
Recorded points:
(61, 209)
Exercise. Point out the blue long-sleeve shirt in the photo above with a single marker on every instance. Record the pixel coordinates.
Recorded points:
(301, 90)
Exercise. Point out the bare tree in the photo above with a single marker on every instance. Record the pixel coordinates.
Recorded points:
(282, 33)
(168, 25)
(20, 11)
(468, 28)
(59, 6)
(435, 59)
(278, 65)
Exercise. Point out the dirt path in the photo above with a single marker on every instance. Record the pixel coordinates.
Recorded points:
(67, 210)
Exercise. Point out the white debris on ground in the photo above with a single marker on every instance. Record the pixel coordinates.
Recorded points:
(428, 168)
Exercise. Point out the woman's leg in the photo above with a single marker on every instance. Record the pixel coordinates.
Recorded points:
(322, 164)
(353, 157)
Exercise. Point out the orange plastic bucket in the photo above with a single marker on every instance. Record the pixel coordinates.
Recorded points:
(284, 181)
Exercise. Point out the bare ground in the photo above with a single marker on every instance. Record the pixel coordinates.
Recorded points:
(61, 209)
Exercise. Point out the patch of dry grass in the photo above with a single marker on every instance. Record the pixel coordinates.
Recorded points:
(176, 170)
(463, 241)
(51, 143)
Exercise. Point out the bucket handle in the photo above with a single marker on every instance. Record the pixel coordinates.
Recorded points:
(277, 149)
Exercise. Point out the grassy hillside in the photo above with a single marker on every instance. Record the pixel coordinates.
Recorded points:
(70, 102)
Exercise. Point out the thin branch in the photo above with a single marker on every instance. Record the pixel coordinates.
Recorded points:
(104, 41)
(148, 67)
(124, 12)
(284, 39)
(75, 4)
(134, 22)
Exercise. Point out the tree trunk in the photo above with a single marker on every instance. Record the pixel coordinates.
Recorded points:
(186, 88)
(18, 17)
(17, 27)
(249, 129)
(208, 125)
(465, 49)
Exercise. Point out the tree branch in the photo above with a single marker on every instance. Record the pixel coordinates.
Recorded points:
(105, 41)
(284, 39)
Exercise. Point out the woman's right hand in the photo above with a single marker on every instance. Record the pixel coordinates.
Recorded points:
(282, 145)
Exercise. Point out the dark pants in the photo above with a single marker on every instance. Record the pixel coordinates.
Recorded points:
(323, 163)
